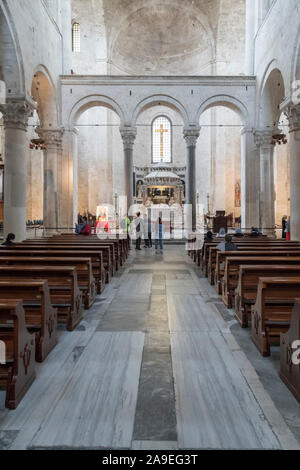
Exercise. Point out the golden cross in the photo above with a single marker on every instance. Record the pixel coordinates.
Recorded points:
(161, 131)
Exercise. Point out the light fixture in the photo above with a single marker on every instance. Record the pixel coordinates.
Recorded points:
(37, 144)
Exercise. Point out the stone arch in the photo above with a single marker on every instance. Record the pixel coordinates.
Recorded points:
(92, 101)
(11, 63)
(163, 115)
(271, 94)
(44, 93)
(228, 102)
(163, 100)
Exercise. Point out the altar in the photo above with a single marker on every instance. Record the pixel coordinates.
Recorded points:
(160, 184)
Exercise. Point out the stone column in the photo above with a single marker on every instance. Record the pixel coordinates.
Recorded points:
(267, 197)
(75, 134)
(53, 142)
(293, 115)
(16, 113)
(249, 180)
(191, 135)
(249, 39)
(128, 135)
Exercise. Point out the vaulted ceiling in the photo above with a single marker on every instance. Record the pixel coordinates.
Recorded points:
(150, 36)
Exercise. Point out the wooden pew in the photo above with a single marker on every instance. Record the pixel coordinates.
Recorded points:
(18, 372)
(85, 277)
(73, 245)
(222, 255)
(106, 250)
(93, 238)
(95, 256)
(289, 369)
(232, 267)
(40, 316)
(240, 245)
(65, 294)
(212, 258)
(272, 311)
(246, 291)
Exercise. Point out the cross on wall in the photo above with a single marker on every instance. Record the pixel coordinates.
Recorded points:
(162, 131)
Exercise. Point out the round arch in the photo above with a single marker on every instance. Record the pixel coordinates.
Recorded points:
(44, 93)
(165, 116)
(12, 69)
(92, 101)
(271, 94)
(228, 102)
(160, 100)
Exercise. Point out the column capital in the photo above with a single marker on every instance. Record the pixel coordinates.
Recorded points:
(17, 110)
(293, 115)
(128, 134)
(51, 137)
(191, 135)
(263, 137)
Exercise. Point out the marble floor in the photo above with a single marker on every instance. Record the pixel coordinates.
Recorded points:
(157, 363)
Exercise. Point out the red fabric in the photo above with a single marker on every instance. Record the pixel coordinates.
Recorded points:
(87, 230)
(288, 236)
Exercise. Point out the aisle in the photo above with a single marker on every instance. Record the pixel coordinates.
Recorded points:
(154, 364)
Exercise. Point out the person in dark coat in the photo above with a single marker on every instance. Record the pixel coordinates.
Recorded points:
(9, 239)
(228, 245)
(284, 223)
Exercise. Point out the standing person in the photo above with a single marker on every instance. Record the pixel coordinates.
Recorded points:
(148, 231)
(288, 229)
(139, 230)
(283, 224)
(159, 234)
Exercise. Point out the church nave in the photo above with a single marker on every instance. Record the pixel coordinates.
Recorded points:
(157, 362)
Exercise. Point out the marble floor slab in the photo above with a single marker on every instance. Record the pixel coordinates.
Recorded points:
(116, 321)
(215, 406)
(135, 284)
(190, 313)
(96, 406)
(154, 445)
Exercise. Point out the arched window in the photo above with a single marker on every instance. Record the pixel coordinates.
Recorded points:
(76, 37)
(161, 140)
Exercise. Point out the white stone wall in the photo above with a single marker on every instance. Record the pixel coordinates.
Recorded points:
(39, 38)
(92, 58)
(99, 165)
